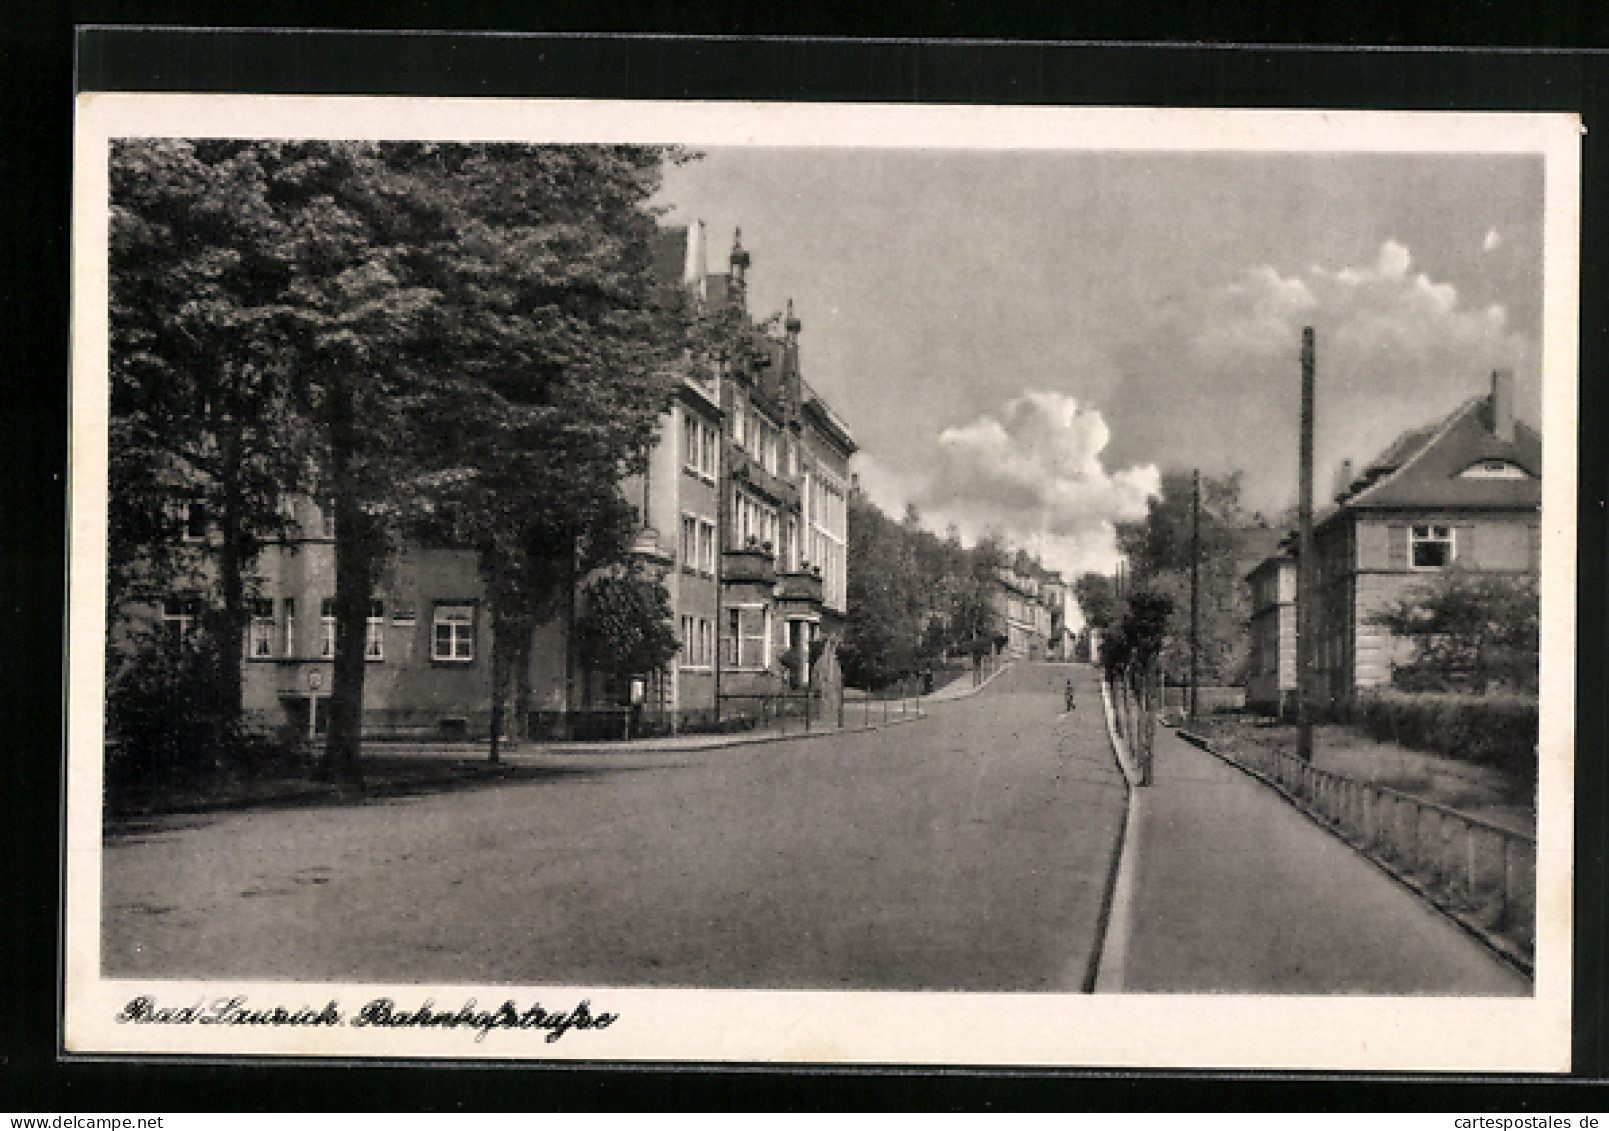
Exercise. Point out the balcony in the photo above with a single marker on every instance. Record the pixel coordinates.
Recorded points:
(755, 563)
(746, 469)
(799, 587)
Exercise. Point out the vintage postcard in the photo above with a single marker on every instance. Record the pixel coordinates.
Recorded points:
(821, 584)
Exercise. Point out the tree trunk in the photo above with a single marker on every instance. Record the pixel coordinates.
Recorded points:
(231, 567)
(354, 586)
(522, 684)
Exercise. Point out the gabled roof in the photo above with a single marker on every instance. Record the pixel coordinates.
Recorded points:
(1424, 467)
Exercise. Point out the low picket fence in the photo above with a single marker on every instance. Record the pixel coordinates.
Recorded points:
(1478, 870)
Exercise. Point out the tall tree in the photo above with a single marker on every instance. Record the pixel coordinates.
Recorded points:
(1158, 550)
(204, 429)
(559, 347)
(1097, 599)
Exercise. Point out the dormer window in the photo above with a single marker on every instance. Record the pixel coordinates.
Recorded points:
(1494, 469)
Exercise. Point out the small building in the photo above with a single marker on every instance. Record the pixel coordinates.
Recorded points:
(1271, 668)
(1464, 491)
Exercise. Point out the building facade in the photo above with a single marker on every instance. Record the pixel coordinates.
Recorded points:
(1464, 492)
(1022, 615)
(743, 520)
(1271, 668)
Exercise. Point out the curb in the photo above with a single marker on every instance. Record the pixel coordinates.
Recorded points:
(1106, 956)
(625, 747)
(1501, 948)
(971, 691)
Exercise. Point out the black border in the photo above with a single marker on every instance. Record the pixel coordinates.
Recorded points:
(35, 178)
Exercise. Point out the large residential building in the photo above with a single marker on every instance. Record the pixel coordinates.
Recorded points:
(1462, 492)
(744, 520)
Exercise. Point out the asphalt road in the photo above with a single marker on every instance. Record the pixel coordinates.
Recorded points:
(970, 851)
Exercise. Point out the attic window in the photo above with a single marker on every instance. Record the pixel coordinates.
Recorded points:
(1494, 469)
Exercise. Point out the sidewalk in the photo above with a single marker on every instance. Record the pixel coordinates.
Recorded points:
(961, 688)
(1227, 888)
(898, 711)
(856, 709)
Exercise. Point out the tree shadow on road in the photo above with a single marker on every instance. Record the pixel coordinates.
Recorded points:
(387, 780)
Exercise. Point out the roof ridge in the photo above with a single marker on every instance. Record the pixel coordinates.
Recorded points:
(1448, 423)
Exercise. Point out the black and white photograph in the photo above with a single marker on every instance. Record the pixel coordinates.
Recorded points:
(822, 584)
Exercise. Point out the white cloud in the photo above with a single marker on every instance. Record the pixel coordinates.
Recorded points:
(1033, 475)
(1493, 239)
(1395, 349)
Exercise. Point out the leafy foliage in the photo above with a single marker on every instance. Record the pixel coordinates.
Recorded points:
(624, 627)
(1158, 549)
(1136, 642)
(1470, 631)
(462, 339)
(1498, 730)
(914, 598)
(169, 712)
(1097, 599)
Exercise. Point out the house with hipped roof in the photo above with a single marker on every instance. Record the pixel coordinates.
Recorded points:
(1463, 492)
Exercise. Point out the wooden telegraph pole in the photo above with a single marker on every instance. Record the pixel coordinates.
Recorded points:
(1195, 591)
(1306, 566)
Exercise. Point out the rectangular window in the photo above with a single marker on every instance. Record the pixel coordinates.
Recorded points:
(260, 642)
(706, 546)
(689, 542)
(179, 615)
(697, 642)
(707, 453)
(374, 632)
(1430, 547)
(453, 634)
(749, 644)
(326, 618)
(289, 607)
(327, 517)
(699, 445)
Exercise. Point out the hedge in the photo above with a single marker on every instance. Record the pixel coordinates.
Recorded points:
(1490, 730)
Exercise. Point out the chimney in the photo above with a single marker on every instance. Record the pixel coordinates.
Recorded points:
(1503, 405)
(1343, 479)
(790, 354)
(740, 263)
(693, 268)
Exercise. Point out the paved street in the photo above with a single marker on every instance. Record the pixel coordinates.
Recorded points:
(1291, 909)
(967, 851)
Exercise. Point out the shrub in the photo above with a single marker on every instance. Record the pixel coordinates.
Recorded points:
(1491, 730)
(166, 716)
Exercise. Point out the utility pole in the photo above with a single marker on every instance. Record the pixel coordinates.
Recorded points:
(1305, 571)
(1195, 590)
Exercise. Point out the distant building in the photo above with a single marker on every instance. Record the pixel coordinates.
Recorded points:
(1271, 668)
(1021, 615)
(1465, 491)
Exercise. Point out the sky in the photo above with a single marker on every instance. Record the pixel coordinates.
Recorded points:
(1023, 341)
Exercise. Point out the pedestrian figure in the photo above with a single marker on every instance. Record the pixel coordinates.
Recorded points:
(1070, 703)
